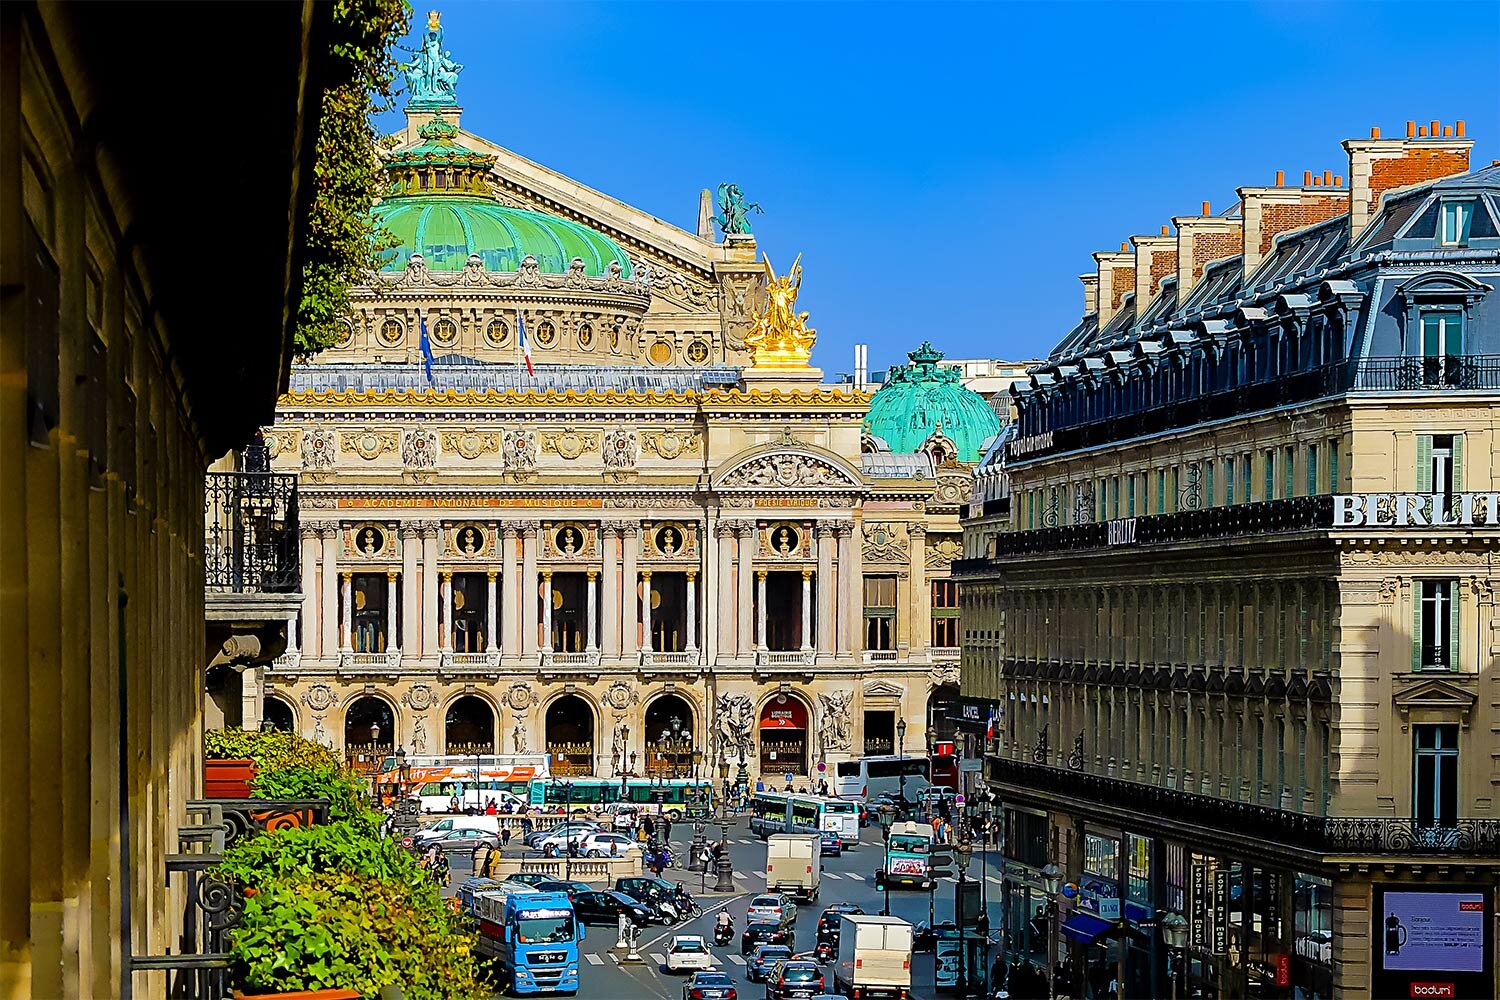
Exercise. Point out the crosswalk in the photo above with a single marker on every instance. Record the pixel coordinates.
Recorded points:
(737, 960)
(593, 959)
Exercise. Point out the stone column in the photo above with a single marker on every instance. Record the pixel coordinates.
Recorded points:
(609, 609)
(725, 597)
(429, 588)
(856, 592)
(807, 576)
(760, 611)
(842, 629)
(445, 638)
(921, 591)
(646, 644)
(392, 641)
(529, 541)
(546, 638)
(310, 545)
(489, 621)
(630, 538)
(291, 635)
(252, 697)
(591, 614)
(745, 598)
(346, 612)
(825, 535)
(692, 611)
(329, 615)
(411, 542)
(509, 629)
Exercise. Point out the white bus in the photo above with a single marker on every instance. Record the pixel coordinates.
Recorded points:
(778, 812)
(866, 778)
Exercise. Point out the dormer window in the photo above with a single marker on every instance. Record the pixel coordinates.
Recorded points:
(1453, 228)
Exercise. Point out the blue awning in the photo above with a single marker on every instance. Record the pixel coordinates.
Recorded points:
(1085, 928)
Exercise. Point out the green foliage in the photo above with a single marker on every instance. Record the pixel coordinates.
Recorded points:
(348, 847)
(342, 789)
(290, 767)
(342, 237)
(340, 931)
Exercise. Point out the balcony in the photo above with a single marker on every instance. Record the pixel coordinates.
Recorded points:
(585, 661)
(652, 658)
(1330, 835)
(785, 658)
(1413, 374)
(878, 655)
(448, 660)
(250, 533)
(389, 660)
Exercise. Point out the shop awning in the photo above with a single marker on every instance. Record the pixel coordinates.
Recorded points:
(1085, 928)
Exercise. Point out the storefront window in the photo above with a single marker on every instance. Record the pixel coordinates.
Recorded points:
(1138, 869)
(1026, 838)
(1101, 856)
(1312, 944)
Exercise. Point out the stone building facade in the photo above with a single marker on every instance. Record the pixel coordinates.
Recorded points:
(1236, 619)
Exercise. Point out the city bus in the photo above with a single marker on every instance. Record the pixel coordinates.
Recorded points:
(676, 796)
(435, 780)
(866, 778)
(779, 812)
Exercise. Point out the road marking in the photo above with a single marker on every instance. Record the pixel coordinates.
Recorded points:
(832, 875)
(762, 874)
(594, 959)
(737, 960)
(741, 876)
(658, 958)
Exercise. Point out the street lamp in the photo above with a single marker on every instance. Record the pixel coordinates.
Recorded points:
(374, 732)
(984, 810)
(566, 787)
(887, 816)
(1052, 883)
(901, 760)
(1174, 933)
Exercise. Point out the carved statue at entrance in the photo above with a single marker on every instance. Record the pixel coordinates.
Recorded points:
(733, 715)
(419, 734)
(621, 743)
(518, 738)
(835, 730)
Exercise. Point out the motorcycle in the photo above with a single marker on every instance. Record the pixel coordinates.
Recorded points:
(667, 910)
(723, 934)
(825, 952)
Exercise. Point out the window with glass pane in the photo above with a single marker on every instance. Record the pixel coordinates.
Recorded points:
(880, 612)
(1436, 463)
(1437, 625)
(1138, 868)
(945, 613)
(1101, 856)
(1456, 218)
(1442, 346)
(1435, 775)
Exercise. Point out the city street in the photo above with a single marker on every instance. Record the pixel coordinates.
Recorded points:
(846, 878)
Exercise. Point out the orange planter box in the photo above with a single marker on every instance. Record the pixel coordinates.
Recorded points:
(227, 779)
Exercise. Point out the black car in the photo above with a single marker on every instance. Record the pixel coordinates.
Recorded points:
(605, 907)
(758, 934)
(767, 956)
(794, 978)
(828, 922)
(709, 986)
(645, 887)
(558, 885)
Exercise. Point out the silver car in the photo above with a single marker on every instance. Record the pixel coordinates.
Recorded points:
(771, 908)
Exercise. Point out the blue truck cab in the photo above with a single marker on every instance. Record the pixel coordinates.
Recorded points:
(532, 937)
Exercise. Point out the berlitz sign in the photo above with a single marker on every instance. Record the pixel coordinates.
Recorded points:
(1416, 510)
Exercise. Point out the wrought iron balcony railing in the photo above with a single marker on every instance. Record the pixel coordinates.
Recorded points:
(1337, 835)
(250, 535)
(1420, 374)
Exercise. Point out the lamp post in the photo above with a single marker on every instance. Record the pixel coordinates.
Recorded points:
(1052, 883)
(1174, 934)
(566, 787)
(887, 816)
(726, 869)
(984, 810)
(901, 760)
(742, 777)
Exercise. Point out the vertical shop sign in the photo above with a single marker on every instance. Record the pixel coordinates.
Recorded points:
(1199, 924)
(1273, 906)
(1221, 911)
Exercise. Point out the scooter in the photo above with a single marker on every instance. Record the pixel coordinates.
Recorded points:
(825, 952)
(667, 910)
(723, 934)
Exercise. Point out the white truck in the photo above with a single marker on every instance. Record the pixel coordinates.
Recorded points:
(874, 957)
(794, 865)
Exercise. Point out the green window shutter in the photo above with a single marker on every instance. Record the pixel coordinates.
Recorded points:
(1424, 463)
(1208, 484)
(1416, 627)
(1453, 644)
(1270, 492)
(1312, 470)
(1333, 466)
(1229, 482)
(1458, 463)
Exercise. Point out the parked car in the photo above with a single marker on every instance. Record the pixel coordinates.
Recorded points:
(604, 906)
(758, 969)
(536, 836)
(557, 841)
(644, 887)
(829, 842)
(794, 978)
(429, 835)
(607, 845)
(558, 885)
(689, 952)
(709, 986)
(771, 908)
(468, 839)
(756, 935)
(530, 878)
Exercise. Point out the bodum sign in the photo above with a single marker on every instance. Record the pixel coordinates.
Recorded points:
(1416, 510)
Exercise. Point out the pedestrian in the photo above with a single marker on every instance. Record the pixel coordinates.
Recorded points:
(760, 785)
(666, 828)
(649, 826)
(504, 837)
(481, 857)
(726, 791)
(526, 825)
(493, 871)
(492, 809)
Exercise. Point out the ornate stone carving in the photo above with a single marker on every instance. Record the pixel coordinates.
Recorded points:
(835, 730)
(1388, 588)
(518, 736)
(886, 541)
(320, 697)
(621, 696)
(568, 443)
(942, 550)
(519, 697)
(622, 449)
(787, 469)
(420, 698)
(318, 446)
(953, 488)
(669, 444)
(419, 450)
(279, 442)
(945, 673)
(733, 716)
(419, 734)
(369, 444)
(518, 449)
(471, 444)
(320, 734)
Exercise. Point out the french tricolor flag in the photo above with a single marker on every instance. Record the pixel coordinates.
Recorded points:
(524, 342)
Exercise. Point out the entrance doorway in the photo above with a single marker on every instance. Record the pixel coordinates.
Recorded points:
(570, 735)
(669, 737)
(783, 737)
(276, 712)
(469, 727)
(369, 733)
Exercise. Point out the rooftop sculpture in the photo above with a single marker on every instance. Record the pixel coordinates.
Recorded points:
(432, 76)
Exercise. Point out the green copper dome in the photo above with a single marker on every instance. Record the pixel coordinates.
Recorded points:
(921, 399)
(437, 204)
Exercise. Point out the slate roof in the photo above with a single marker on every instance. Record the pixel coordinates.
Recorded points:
(897, 465)
(461, 374)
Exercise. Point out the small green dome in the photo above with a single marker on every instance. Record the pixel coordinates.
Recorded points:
(447, 229)
(920, 399)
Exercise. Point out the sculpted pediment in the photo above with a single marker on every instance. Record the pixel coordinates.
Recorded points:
(801, 468)
(1452, 696)
(884, 689)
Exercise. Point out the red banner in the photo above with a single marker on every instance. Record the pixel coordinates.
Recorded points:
(788, 714)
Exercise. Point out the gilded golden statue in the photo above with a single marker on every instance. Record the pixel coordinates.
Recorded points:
(781, 337)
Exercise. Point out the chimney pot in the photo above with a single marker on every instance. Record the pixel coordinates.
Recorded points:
(1327, 177)
(1447, 131)
(1458, 128)
(1435, 124)
(1165, 230)
(1317, 182)
(1422, 132)
(1338, 180)
(1124, 246)
(1374, 131)
(1205, 209)
(1307, 178)
(1411, 129)
(1280, 177)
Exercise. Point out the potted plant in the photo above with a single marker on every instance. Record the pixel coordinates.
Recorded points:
(229, 768)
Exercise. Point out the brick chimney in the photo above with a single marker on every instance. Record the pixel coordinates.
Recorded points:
(1201, 240)
(1271, 211)
(1378, 165)
(1090, 292)
(1155, 259)
(1116, 280)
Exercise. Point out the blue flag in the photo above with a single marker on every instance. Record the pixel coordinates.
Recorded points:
(426, 349)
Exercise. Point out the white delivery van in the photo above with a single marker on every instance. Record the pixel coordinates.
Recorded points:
(874, 957)
(794, 865)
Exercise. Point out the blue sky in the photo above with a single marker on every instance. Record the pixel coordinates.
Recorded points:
(946, 170)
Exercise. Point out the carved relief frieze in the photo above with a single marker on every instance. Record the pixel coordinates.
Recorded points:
(570, 540)
(284, 441)
(886, 541)
(471, 444)
(942, 550)
(369, 444)
(569, 443)
(670, 444)
(319, 445)
(622, 450)
(419, 449)
(786, 469)
(370, 540)
(518, 448)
